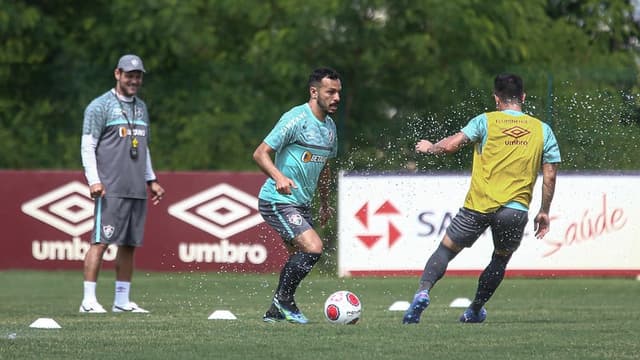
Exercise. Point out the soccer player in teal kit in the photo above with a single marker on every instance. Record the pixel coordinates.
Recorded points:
(303, 140)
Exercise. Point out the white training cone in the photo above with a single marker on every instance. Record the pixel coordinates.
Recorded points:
(222, 315)
(45, 323)
(460, 303)
(399, 306)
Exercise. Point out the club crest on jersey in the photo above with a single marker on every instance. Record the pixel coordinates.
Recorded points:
(138, 113)
(295, 219)
(307, 156)
(108, 230)
(331, 136)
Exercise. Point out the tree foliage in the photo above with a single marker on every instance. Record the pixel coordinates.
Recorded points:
(220, 73)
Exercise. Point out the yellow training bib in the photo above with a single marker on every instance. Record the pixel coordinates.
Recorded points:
(505, 168)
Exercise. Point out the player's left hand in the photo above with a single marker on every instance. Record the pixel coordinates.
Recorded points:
(157, 191)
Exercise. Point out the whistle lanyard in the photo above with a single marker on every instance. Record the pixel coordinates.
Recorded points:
(133, 151)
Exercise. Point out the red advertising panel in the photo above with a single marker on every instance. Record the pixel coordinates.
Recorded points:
(207, 221)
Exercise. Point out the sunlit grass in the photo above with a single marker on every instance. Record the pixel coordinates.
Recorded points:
(528, 319)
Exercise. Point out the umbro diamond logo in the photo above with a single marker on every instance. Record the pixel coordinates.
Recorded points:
(221, 211)
(67, 208)
(516, 132)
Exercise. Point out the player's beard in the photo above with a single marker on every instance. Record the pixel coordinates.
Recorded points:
(128, 89)
(327, 108)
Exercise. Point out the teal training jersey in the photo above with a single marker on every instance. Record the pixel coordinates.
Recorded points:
(303, 144)
(114, 124)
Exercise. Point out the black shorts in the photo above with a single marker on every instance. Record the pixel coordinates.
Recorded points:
(507, 227)
(288, 220)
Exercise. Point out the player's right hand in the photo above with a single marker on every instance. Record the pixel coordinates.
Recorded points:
(424, 146)
(96, 190)
(284, 185)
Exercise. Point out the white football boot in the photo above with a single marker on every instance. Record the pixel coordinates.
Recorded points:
(130, 307)
(91, 307)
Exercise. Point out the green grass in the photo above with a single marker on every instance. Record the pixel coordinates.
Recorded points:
(578, 318)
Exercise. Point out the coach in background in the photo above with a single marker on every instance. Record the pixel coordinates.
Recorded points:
(303, 140)
(510, 148)
(117, 165)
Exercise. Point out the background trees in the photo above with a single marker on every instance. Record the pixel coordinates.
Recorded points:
(220, 73)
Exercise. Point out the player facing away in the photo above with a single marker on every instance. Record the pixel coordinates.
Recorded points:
(510, 148)
(117, 165)
(302, 140)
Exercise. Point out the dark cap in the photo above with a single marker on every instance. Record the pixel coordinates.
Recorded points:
(130, 62)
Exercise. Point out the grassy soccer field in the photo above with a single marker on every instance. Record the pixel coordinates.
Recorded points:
(578, 318)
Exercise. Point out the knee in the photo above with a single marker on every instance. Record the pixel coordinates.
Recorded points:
(309, 242)
(449, 244)
(98, 249)
(315, 247)
(503, 253)
(501, 257)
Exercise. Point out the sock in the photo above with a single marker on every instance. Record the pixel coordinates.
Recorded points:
(436, 267)
(489, 280)
(297, 268)
(122, 293)
(89, 291)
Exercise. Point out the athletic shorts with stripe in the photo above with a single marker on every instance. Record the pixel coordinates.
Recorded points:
(286, 219)
(119, 221)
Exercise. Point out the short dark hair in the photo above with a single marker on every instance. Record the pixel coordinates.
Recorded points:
(320, 73)
(508, 87)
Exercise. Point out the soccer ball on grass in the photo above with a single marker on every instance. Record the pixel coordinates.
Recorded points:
(343, 307)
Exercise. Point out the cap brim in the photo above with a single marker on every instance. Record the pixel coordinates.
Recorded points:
(134, 69)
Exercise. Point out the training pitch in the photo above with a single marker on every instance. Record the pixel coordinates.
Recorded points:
(574, 318)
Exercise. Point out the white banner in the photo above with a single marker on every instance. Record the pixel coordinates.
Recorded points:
(390, 224)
